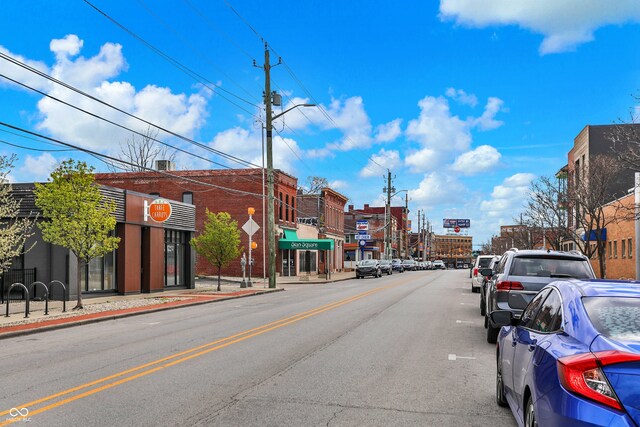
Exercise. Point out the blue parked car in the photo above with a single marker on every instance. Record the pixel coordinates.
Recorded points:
(573, 358)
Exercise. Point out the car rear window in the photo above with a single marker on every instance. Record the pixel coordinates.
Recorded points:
(551, 267)
(617, 318)
(484, 262)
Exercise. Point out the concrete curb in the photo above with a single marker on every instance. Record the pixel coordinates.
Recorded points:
(71, 323)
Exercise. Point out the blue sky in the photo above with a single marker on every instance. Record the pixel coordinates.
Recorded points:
(464, 101)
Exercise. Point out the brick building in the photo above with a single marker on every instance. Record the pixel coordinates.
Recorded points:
(399, 226)
(454, 250)
(619, 253)
(226, 190)
(325, 211)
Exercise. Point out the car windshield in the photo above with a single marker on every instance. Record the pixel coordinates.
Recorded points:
(368, 262)
(617, 318)
(551, 267)
(385, 261)
(484, 262)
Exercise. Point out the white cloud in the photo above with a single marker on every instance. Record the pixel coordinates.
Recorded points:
(564, 24)
(462, 97)
(388, 132)
(180, 113)
(20, 74)
(482, 159)
(387, 159)
(508, 198)
(338, 185)
(487, 120)
(442, 135)
(436, 128)
(36, 169)
(246, 144)
(438, 188)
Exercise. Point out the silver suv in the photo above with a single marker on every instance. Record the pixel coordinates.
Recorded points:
(519, 275)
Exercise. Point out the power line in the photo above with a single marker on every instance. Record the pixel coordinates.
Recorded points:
(74, 89)
(104, 156)
(193, 49)
(194, 75)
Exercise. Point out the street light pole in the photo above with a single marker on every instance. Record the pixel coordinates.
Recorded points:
(271, 220)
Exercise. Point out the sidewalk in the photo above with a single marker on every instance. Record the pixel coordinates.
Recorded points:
(117, 306)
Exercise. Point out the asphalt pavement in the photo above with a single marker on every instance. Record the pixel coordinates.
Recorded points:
(100, 308)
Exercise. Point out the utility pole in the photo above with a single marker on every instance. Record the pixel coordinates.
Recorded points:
(418, 246)
(389, 189)
(406, 218)
(424, 240)
(271, 220)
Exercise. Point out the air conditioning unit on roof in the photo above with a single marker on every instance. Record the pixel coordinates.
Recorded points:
(165, 165)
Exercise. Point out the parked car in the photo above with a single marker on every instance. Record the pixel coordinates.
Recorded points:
(573, 358)
(429, 265)
(519, 276)
(368, 267)
(409, 264)
(396, 264)
(482, 261)
(385, 266)
(439, 264)
(483, 290)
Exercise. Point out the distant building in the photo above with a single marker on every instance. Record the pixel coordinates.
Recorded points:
(454, 250)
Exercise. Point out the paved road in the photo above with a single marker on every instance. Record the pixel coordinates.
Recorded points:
(406, 349)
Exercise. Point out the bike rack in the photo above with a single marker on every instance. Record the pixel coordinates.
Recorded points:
(46, 295)
(64, 293)
(26, 311)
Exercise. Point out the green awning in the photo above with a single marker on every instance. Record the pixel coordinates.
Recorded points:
(290, 241)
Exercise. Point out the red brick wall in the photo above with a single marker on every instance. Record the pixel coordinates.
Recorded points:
(617, 265)
(210, 190)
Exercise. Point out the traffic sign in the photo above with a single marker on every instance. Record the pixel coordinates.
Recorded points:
(362, 242)
(250, 227)
(363, 237)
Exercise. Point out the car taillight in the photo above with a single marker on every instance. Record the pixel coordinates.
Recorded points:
(582, 374)
(506, 285)
(475, 272)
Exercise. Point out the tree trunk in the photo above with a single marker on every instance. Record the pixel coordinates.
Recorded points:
(79, 285)
(219, 273)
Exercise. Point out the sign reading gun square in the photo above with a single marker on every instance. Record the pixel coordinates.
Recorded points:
(159, 210)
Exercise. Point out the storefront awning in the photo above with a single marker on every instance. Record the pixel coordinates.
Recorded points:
(290, 241)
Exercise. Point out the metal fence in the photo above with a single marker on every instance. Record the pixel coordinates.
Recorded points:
(25, 276)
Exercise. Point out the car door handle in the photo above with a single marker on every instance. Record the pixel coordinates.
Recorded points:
(533, 345)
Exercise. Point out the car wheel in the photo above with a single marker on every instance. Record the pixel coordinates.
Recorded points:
(530, 414)
(500, 399)
(379, 273)
(483, 309)
(492, 334)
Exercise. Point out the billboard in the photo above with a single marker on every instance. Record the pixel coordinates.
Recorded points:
(453, 223)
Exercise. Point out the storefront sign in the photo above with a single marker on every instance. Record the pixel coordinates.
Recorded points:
(159, 210)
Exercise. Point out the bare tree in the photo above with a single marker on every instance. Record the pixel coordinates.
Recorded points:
(589, 196)
(546, 212)
(626, 138)
(14, 231)
(141, 151)
(314, 185)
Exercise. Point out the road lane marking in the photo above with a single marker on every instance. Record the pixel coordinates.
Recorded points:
(465, 321)
(182, 356)
(456, 357)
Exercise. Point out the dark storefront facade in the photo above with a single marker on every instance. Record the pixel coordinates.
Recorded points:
(151, 255)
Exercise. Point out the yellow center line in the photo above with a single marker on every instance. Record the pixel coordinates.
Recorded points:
(188, 355)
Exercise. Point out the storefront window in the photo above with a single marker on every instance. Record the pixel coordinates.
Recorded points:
(307, 261)
(99, 274)
(175, 252)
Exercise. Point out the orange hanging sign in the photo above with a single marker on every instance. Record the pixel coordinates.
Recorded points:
(159, 210)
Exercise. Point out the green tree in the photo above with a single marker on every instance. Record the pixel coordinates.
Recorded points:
(219, 242)
(14, 231)
(76, 215)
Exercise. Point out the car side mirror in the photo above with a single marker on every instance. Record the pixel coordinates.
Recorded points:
(503, 318)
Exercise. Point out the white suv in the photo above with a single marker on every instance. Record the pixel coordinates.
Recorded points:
(439, 264)
(482, 261)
